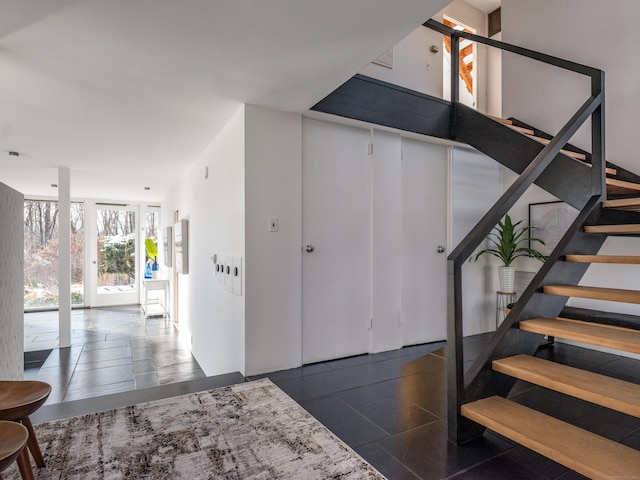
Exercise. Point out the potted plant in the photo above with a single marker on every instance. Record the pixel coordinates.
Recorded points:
(506, 242)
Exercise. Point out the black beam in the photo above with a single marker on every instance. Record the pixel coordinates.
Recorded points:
(566, 178)
(381, 103)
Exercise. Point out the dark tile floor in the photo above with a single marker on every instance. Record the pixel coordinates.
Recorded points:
(113, 350)
(391, 408)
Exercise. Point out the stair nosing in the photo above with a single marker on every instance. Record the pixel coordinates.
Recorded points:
(617, 259)
(617, 229)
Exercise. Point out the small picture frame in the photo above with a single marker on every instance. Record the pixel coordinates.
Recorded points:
(549, 222)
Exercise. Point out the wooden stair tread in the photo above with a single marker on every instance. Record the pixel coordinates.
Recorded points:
(526, 131)
(621, 229)
(630, 204)
(621, 187)
(596, 293)
(621, 259)
(502, 120)
(618, 338)
(592, 387)
(607, 170)
(568, 153)
(580, 450)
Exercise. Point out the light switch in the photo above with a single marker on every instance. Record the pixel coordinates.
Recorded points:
(228, 278)
(236, 275)
(220, 272)
(273, 224)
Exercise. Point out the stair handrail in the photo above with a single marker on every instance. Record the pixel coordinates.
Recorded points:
(593, 107)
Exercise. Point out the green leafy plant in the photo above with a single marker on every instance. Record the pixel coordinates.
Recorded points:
(506, 239)
(151, 248)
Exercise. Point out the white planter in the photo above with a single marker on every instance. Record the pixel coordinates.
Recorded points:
(506, 276)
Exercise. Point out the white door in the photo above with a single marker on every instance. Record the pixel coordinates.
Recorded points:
(114, 263)
(336, 239)
(424, 227)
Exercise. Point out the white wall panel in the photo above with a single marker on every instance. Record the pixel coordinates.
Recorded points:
(11, 283)
(386, 241)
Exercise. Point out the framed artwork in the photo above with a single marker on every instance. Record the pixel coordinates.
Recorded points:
(181, 245)
(550, 221)
(386, 59)
(167, 248)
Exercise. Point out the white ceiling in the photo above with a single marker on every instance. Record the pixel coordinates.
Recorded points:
(486, 6)
(128, 93)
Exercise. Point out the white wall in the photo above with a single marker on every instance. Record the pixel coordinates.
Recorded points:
(414, 66)
(11, 283)
(547, 97)
(494, 79)
(273, 188)
(417, 68)
(552, 96)
(477, 184)
(215, 208)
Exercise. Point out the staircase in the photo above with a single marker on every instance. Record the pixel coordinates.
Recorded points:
(608, 200)
(583, 451)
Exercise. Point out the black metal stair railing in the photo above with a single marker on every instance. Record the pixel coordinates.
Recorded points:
(478, 382)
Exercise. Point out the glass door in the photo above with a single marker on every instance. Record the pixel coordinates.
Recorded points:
(116, 258)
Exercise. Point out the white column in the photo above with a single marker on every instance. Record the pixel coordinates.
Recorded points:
(64, 256)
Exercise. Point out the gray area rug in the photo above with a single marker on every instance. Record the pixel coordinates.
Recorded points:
(252, 430)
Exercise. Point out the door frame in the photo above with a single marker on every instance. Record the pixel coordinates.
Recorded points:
(91, 258)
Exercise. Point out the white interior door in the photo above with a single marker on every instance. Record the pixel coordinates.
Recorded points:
(336, 235)
(424, 229)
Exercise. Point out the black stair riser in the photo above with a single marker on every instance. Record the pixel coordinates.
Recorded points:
(605, 318)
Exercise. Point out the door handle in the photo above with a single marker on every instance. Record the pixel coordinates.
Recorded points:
(441, 249)
(309, 248)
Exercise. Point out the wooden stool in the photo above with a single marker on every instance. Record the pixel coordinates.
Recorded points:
(18, 400)
(13, 441)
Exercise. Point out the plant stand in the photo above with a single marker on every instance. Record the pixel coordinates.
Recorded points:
(503, 300)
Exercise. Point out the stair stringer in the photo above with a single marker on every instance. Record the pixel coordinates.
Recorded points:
(621, 173)
(566, 178)
(480, 380)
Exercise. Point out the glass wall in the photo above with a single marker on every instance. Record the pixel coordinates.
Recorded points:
(41, 238)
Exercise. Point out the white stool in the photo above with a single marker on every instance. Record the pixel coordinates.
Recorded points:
(156, 284)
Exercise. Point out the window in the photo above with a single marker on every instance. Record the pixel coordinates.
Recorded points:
(41, 238)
